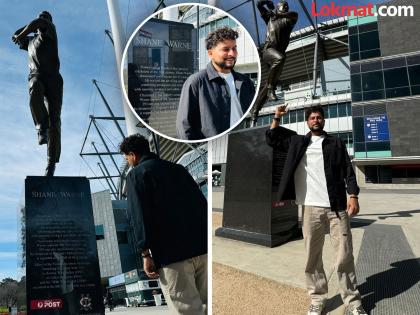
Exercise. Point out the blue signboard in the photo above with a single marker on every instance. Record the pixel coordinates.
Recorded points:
(376, 128)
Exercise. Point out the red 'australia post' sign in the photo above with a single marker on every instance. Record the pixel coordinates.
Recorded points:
(46, 304)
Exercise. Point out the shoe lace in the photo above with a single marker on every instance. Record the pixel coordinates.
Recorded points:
(359, 310)
(314, 308)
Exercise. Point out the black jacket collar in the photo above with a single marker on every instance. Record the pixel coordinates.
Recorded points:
(148, 156)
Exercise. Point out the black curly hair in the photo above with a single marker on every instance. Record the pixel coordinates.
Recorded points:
(136, 143)
(314, 109)
(220, 35)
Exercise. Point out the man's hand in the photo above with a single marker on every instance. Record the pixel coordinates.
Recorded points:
(281, 111)
(150, 267)
(353, 207)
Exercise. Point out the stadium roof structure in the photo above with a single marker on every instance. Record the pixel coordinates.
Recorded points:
(332, 38)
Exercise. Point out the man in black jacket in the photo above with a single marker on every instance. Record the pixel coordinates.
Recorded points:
(316, 174)
(168, 213)
(216, 98)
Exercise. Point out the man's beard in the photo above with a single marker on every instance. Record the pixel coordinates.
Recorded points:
(319, 128)
(224, 66)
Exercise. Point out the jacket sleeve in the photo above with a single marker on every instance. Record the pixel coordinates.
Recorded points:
(277, 140)
(139, 209)
(351, 182)
(188, 120)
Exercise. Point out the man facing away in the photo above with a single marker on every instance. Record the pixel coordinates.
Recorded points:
(45, 83)
(169, 217)
(280, 23)
(319, 169)
(215, 98)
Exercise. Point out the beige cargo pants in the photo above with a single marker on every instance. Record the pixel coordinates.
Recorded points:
(316, 222)
(184, 285)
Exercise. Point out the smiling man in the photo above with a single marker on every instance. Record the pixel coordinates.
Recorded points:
(317, 173)
(215, 98)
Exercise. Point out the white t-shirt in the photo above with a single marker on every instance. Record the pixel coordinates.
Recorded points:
(235, 107)
(310, 181)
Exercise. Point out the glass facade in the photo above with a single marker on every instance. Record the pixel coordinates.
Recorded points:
(385, 79)
(364, 41)
(298, 115)
(386, 174)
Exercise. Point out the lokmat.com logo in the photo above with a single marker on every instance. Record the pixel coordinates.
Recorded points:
(369, 9)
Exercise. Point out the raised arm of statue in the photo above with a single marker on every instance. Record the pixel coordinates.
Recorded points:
(32, 27)
(265, 7)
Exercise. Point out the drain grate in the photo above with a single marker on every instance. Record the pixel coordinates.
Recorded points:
(388, 272)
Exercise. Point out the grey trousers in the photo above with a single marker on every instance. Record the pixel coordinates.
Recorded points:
(184, 285)
(45, 101)
(316, 221)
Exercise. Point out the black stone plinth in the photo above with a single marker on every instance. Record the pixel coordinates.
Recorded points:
(253, 211)
(62, 268)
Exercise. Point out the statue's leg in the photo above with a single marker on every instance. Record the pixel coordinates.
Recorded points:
(54, 96)
(276, 61)
(36, 103)
(38, 110)
(259, 103)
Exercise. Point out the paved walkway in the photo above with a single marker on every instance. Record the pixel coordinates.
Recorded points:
(386, 249)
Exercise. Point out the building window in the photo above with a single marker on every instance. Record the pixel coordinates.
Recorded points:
(364, 42)
(378, 174)
(372, 81)
(414, 72)
(396, 78)
(99, 230)
(300, 115)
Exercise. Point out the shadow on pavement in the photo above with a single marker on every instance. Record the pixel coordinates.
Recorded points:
(396, 214)
(390, 283)
(333, 303)
(359, 223)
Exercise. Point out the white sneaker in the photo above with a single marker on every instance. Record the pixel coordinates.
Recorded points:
(315, 309)
(357, 311)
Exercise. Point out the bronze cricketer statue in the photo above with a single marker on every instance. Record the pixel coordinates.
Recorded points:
(45, 83)
(280, 23)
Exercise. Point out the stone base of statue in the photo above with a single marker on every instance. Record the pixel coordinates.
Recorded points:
(252, 210)
(62, 268)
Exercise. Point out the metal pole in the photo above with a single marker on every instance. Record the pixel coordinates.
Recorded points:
(256, 23)
(106, 178)
(119, 42)
(103, 164)
(108, 108)
(333, 39)
(315, 69)
(106, 146)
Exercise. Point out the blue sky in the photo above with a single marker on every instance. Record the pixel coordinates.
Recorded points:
(85, 54)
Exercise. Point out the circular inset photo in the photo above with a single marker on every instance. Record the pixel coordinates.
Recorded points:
(190, 72)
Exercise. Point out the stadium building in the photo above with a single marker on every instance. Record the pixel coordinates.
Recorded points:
(365, 72)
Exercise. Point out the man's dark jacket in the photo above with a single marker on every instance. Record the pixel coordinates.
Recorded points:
(204, 105)
(167, 210)
(339, 172)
